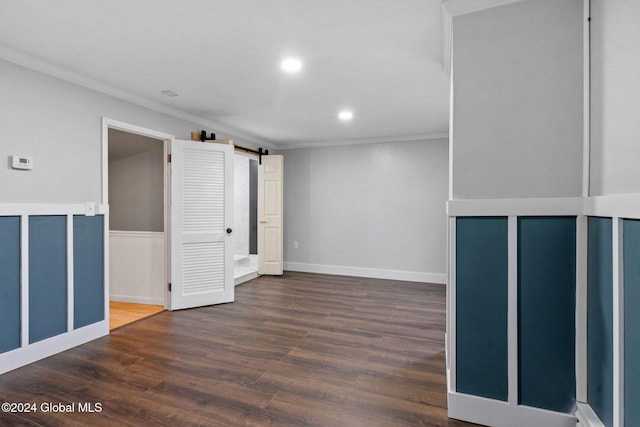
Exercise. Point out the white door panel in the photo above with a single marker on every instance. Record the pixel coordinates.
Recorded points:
(201, 211)
(270, 179)
(271, 247)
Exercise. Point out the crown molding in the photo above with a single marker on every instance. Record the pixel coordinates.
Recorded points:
(453, 8)
(45, 67)
(359, 141)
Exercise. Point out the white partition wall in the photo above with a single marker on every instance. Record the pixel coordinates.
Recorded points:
(532, 133)
(514, 209)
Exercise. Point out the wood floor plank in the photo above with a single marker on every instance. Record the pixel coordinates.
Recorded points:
(123, 313)
(301, 349)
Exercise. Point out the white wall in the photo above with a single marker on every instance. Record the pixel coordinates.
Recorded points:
(137, 267)
(136, 189)
(241, 205)
(517, 78)
(374, 210)
(59, 124)
(615, 97)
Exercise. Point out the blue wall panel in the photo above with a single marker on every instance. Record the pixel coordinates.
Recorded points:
(600, 319)
(631, 322)
(9, 283)
(481, 307)
(546, 312)
(88, 270)
(47, 277)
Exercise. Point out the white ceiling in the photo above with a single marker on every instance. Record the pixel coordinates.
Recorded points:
(380, 58)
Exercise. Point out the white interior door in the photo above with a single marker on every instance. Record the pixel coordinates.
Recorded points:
(201, 217)
(270, 215)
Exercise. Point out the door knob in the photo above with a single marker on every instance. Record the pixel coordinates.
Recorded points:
(263, 221)
(229, 230)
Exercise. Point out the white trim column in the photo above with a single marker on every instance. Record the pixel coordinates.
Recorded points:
(586, 101)
(512, 309)
(70, 292)
(24, 280)
(618, 323)
(581, 307)
(451, 309)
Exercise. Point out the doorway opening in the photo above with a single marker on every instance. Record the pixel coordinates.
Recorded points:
(150, 241)
(245, 237)
(136, 194)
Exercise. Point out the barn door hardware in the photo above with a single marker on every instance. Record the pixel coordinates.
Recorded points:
(262, 153)
(202, 136)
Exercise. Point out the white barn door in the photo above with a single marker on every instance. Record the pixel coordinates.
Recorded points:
(201, 220)
(270, 215)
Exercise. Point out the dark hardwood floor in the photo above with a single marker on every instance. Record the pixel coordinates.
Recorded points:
(297, 350)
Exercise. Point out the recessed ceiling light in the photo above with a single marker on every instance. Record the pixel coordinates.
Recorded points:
(345, 115)
(169, 93)
(291, 65)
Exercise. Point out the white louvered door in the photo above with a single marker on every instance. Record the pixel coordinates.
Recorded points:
(201, 217)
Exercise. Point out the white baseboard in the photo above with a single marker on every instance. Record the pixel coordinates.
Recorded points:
(136, 299)
(374, 273)
(502, 414)
(33, 352)
(245, 278)
(587, 417)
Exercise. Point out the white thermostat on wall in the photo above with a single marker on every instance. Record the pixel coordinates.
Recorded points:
(21, 162)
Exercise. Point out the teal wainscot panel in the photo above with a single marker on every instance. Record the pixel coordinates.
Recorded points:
(47, 277)
(631, 260)
(9, 283)
(481, 307)
(88, 270)
(600, 319)
(546, 312)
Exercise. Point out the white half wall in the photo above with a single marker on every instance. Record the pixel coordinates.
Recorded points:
(517, 101)
(374, 210)
(615, 97)
(137, 267)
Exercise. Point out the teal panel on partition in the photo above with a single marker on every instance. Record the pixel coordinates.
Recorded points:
(88, 270)
(600, 319)
(631, 260)
(481, 306)
(546, 312)
(47, 277)
(9, 283)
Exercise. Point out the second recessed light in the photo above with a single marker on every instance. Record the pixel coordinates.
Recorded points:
(291, 65)
(345, 115)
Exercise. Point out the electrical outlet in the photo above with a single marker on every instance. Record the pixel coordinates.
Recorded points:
(295, 244)
(90, 209)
